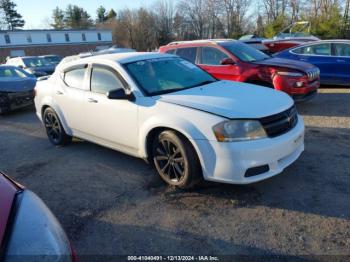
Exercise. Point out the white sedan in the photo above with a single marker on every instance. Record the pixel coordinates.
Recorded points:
(171, 113)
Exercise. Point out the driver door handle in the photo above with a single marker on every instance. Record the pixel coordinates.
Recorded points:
(341, 61)
(91, 100)
(58, 92)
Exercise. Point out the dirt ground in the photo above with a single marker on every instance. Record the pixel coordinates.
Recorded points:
(110, 203)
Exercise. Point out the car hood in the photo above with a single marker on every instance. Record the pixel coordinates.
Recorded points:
(14, 84)
(232, 99)
(287, 63)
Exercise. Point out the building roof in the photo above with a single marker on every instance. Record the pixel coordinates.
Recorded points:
(52, 30)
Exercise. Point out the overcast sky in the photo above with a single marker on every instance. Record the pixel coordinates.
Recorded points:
(37, 13)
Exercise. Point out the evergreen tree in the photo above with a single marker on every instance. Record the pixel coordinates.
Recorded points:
(101, 14)
(111, 14)
(58, 18)
(12, 18)
(77, 18)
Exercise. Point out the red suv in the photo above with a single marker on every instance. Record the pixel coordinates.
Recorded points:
(234, 60)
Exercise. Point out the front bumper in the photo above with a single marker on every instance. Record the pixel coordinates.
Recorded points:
(288, 85)
(229, 162)
(10, 101)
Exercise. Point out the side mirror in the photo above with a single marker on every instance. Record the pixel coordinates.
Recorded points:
(227, 61)
(120, 94)
(21, 66)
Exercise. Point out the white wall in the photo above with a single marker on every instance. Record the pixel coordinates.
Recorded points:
(57, 37)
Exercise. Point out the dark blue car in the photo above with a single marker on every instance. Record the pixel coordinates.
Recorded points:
(332, 57)
(16, 88)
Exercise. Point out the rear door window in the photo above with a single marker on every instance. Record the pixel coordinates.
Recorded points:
(171, 51)
(75, 78)
(188, 53)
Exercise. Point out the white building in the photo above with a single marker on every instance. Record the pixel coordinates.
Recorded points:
(61, 42)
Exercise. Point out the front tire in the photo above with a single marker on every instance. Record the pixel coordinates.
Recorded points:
(176, 160)
(54, 129)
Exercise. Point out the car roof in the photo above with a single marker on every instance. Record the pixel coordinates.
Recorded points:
(203, 41)
(329, 41)
(124, 58)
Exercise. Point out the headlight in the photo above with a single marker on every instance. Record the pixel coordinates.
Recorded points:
(292, 74)
(239, 130)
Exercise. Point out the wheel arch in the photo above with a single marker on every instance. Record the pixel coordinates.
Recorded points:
(60, 116)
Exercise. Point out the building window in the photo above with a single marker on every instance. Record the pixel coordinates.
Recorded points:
(99, 36)
(29, 38)
(83, 37)
(66, 35)
(7, 39)
(48, 37)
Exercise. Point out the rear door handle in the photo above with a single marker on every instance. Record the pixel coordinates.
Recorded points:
(341, 61)
(91, 100)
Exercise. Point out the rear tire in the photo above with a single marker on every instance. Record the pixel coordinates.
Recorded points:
(54, 129)
(176, 160)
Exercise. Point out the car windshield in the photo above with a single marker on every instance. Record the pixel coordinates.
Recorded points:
(244, 52)
(35, 61)
(12, 72)
(166, 75)
(52, 59)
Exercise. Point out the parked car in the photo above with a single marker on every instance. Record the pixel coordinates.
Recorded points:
(295, 34)
(16, 88)
(254, 41)
(52, 59)
(233, 60)
(332, 57)
(28, 229)
(33, 65)
(170, 112)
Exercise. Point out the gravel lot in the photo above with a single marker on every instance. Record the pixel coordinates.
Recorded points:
(110, 203)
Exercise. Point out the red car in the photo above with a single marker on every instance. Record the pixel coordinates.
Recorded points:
(234, 60)
(28, 228)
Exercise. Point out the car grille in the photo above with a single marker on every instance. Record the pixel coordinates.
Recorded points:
(313, 74)
(280, 123)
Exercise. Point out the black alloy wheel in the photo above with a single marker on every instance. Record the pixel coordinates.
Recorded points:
(54, 128)
(176, 160)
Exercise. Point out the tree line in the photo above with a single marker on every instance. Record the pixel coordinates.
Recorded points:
(165, 20)
(146, 28)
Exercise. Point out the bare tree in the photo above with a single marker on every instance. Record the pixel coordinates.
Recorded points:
(164, 14)
(235, 11)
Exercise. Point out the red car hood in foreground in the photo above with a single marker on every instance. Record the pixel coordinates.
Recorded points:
(287, 63)
(8, 190)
